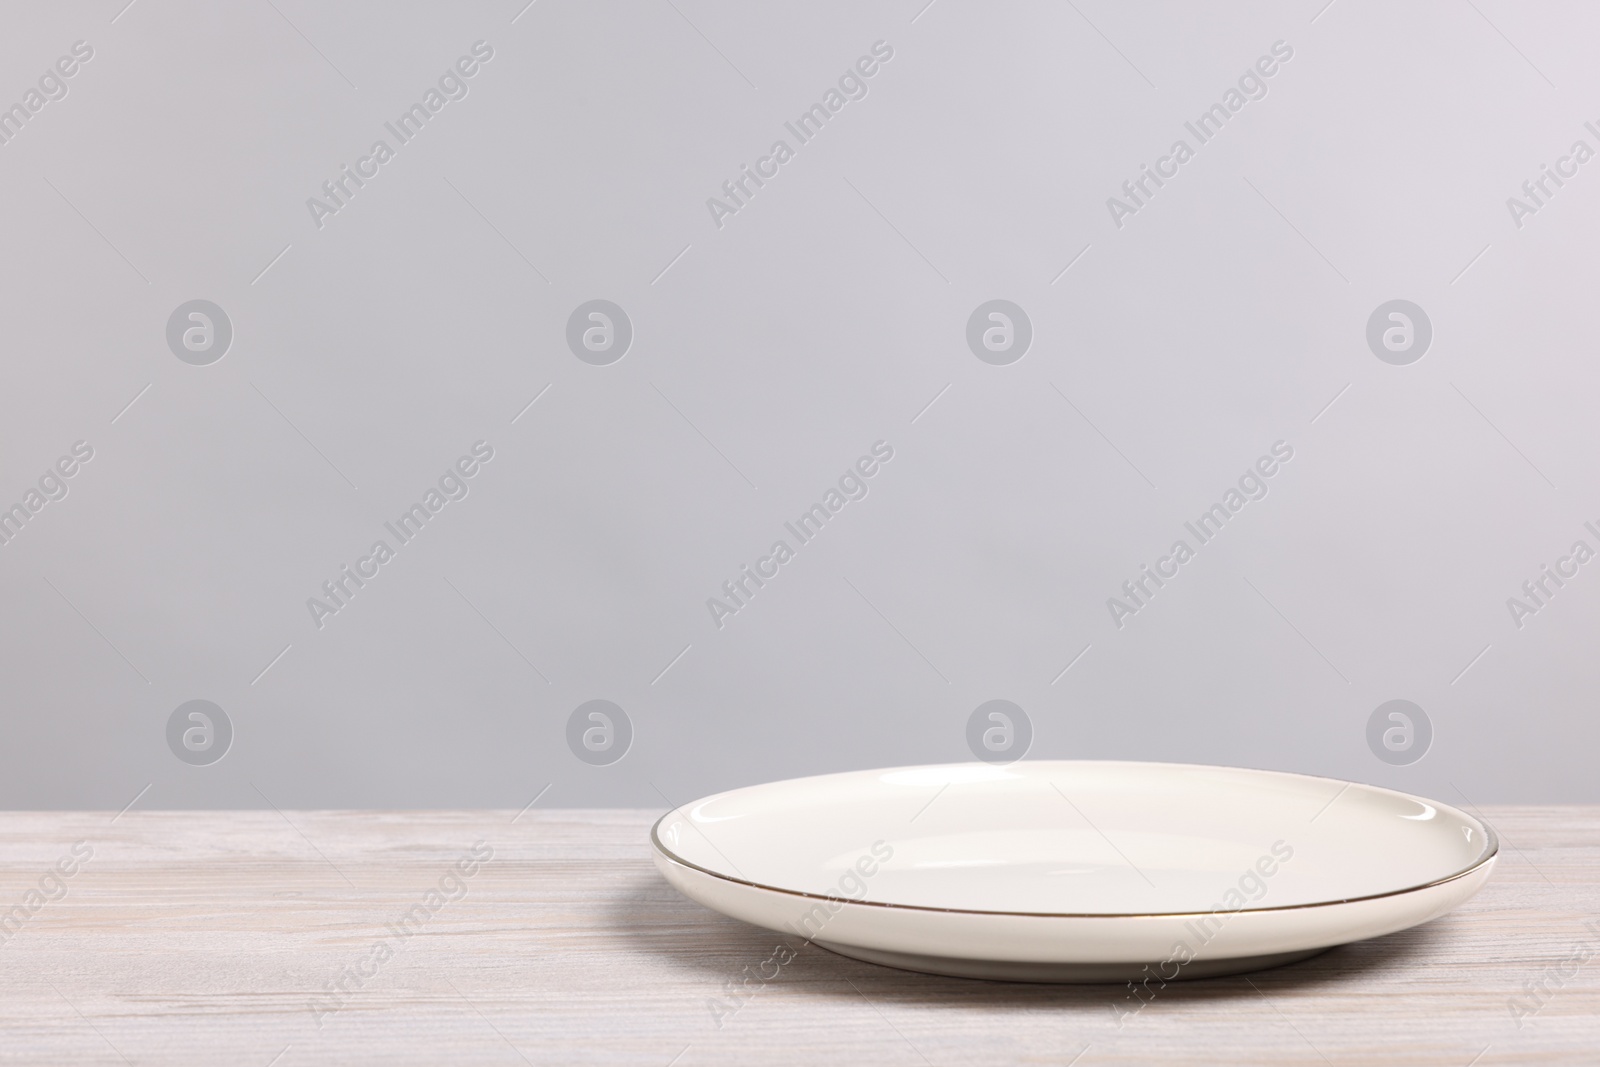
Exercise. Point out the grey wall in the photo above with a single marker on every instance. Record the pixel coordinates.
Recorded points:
(1172, 345)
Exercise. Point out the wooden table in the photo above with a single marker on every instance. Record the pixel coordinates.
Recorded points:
(257, 938)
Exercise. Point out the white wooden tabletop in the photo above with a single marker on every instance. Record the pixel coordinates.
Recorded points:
(483, 937)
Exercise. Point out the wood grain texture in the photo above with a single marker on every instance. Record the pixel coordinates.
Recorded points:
(213, 937)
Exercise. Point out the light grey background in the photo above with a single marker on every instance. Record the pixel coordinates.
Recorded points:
(768, 355)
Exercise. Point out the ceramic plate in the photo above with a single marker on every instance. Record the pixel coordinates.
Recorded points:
(1070, 871)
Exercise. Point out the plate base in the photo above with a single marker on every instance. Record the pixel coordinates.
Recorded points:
(1024, 971)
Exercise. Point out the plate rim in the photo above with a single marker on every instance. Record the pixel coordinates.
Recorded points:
(1491, 853)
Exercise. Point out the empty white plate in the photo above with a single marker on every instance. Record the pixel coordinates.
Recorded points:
(1074, 871)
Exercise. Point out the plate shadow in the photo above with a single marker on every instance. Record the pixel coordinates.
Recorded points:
(656, 919)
